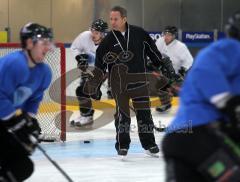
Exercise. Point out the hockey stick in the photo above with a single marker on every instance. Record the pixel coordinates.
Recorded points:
(159, 129)
(35, 141)
(54, 163)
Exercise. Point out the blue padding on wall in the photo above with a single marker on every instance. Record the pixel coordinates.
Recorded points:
(197, 37)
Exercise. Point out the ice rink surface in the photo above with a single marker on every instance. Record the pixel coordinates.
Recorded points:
(98, 160)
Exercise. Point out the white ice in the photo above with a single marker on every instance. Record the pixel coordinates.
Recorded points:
(97, 160)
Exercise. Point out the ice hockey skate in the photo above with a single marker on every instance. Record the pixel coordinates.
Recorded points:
(122, 154)
(81, 121)
(153, 152)
(164, 108)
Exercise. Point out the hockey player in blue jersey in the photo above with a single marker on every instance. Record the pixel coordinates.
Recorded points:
(201, 143)
(23, 79)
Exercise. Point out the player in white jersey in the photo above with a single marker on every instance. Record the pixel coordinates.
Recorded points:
(84, 49)
(175, 49)
(180, 56)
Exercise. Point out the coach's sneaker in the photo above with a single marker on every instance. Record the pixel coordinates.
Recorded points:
(153, 151)
(164, 108)
(122, 153)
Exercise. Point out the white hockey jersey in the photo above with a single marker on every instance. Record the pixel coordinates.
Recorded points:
(178, 53)
(83, 44)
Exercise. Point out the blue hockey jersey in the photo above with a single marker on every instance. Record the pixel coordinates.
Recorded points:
(216, 70)
(21, 87)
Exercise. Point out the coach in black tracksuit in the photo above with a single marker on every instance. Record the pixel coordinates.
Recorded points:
(123, 52)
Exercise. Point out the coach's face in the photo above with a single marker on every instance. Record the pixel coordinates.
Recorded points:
(117, 21)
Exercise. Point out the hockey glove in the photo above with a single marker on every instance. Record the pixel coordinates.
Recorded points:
(167, 68)
(97, 95)
(25, 129)
(182, 71)
(82, 62)
(152, 67)
(231, 107)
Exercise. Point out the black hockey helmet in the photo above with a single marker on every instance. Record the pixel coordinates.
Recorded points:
(232, 27)
(171, 29)
(99, 25)
(35, 32)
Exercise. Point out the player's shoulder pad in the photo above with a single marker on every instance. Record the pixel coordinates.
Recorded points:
(85, 34)
(233, 42)
(18, 60)
(17, 64)
(160, 40)
(181, 44)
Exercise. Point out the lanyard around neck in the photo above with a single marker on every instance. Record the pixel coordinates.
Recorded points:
(119, 41)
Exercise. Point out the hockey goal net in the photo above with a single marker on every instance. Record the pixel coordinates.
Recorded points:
(51, 115)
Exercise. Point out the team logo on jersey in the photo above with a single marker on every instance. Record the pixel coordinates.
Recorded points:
(110, 57)
(125, 56)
